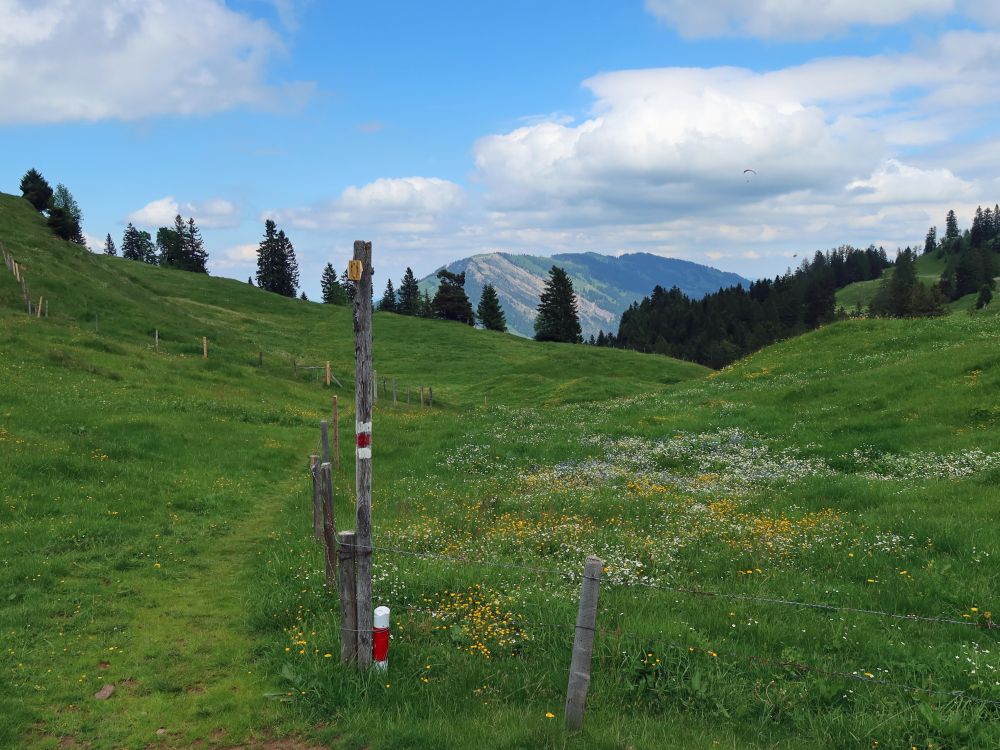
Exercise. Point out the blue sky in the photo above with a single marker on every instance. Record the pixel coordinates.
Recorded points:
(444, 128)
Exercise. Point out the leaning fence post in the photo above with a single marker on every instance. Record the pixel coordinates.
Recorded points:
(583, 643)
(317, 498)
(348, 598)
(329, 525)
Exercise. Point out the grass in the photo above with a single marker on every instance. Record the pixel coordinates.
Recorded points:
(155, 527)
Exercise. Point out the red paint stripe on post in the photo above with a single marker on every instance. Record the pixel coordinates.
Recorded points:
(364, 440)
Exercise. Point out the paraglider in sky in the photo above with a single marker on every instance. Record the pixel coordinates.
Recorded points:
(748, 172)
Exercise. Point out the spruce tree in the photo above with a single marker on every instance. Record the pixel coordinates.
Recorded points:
(451, 302)
(36, 190)
(195, 256)
(130, 243)
(277, 269)
(291, 265)
(489, 311)
(388, 302)
(146, 248)
(333, 292)
(250, 280)
(426, 306)
(109, 246)
(558, 319)
(951, 227)
(409, 294)
(930, 241)
(303, 296)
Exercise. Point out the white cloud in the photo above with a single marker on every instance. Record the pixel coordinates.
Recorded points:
(411, 205)
(119, 59)
(214, 213)
(788, 19)
(237, 257)
(894, 183)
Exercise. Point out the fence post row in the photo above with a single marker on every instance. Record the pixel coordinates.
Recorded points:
(583, 643)
(363, 451)
(348, 598)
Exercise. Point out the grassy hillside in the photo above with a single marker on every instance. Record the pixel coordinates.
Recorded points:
(929, 269)
(156, 534)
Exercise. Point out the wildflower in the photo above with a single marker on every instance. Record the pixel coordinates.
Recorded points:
(156, 565)
(549, 715)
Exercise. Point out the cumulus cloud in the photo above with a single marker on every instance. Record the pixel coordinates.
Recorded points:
(235, 257)
(414, 205)
(788, 19)
(214, 213)
(118, 59)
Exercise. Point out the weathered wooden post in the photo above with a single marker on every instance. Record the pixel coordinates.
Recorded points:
(348, 598)
(329, 525)
(324, 436)
(328, 373)
(430, 396)
(363, 471)
(156, 339)
(260, 358)
(38, 311)
(204, 347)
(336, 433)
(421, 397)
(394, 391)
(317, 498)
(583, 643)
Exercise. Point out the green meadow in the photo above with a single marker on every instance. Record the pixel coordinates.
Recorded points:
(155, 527)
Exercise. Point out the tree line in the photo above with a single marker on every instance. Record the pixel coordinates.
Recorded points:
(732, 322)
(62, 212)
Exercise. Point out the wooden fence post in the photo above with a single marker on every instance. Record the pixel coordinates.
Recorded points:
(260, 358)
(204, 347)
(421, 397)
(348, 598)
(430, 396)
(324, 436)
(394, 390)
(407, 395)
(46, 308)
(363, 472)
(329, 525)
(328, 373)
(336, 433)
(583, 643)
(38, 312)
(156, 338)
(317, 498)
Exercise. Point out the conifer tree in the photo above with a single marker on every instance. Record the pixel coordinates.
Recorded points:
(426, 306)
(170, 244)
(951, 227)
(250, 280)
(409, 294)
(985, 297)
(195, 256)
(333, 291)
(388, 302)
(930, 242)
(109, 246)
(451, 302)
(130, 243)
(277, 269)
(558, 319)
(36, 190)
(489, 311)
(303, 296)
(146, 248)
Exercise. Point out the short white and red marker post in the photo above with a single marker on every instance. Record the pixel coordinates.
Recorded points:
(380, 642)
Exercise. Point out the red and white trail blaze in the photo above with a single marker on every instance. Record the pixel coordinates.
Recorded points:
(364, 433)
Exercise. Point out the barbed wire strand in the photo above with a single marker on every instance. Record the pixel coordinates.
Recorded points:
(689, 591)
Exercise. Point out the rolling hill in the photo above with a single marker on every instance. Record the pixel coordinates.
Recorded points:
(799, 549)
(605, 285)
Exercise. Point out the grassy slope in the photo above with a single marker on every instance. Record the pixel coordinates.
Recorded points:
(929, 270)
(698, 482)
(138, 486)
